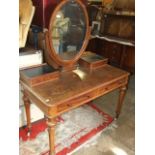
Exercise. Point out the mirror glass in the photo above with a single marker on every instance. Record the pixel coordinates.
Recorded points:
(68, 30)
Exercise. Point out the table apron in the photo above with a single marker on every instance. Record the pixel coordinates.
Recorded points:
(54, 111)
(87, 97)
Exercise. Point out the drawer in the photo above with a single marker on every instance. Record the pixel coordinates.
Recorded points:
(77, 101)
(112, 86)
(114, 54)
(74, 103)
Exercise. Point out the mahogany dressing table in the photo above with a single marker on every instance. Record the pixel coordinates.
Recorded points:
(71, 77)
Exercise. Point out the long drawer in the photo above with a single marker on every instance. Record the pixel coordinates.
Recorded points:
(88, 96)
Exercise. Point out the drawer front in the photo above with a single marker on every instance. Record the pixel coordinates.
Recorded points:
(128, 59)
(74, 102)
(112, 86)
(87, 97)
(114, 53)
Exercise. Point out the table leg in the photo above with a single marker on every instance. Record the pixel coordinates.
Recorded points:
(120, 101)
(27, 109)
(51, 122)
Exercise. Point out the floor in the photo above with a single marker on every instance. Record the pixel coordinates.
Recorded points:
(120, 140)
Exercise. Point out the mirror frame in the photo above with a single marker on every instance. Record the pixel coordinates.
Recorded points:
(50, 49)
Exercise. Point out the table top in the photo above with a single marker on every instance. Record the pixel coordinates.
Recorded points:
(75, 83)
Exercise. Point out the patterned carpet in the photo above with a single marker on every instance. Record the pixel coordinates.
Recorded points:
(74, 128)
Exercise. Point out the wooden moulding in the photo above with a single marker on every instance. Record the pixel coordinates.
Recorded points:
(92, 61)
(40, 74)
(54, 57)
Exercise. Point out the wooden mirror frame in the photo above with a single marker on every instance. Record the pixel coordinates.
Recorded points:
(54, 57)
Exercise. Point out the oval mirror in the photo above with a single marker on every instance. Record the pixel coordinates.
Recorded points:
(68, 30)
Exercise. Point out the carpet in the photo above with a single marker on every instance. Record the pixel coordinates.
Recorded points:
(74, 128)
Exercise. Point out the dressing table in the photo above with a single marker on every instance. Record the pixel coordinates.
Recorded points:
(71, 77)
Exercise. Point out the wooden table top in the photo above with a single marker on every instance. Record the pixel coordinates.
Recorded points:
(75, 83)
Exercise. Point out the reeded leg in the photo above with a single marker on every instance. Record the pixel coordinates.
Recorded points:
(51, 122)
(120, 101)
(27, 109)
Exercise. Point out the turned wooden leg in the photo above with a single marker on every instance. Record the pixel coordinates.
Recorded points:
(51, 122)
(120, 101)
(27, 109)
